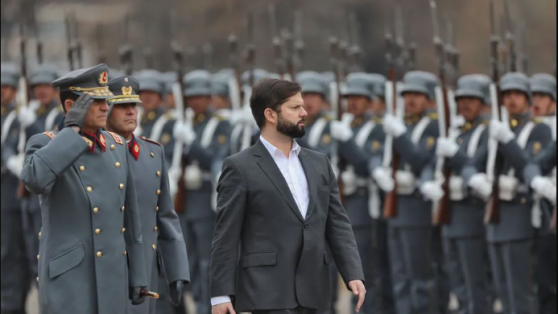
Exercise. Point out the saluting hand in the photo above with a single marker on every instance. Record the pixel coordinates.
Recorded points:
(223, 308)
(76, 115)
(357, 287)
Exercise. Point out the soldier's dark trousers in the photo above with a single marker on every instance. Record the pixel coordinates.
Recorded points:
(14, 266)
(363, 236)
(412, 272)
(512, 268)
(31, 220)
(199, 235)
(441, 275)
(465, 262)
(546, 273)
(385, 302)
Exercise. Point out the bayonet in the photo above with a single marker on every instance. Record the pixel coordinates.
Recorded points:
(277, 43)
(147, 50)
(78, 46)
(125, 52)
(298, 48)
(69, 42)
(510, 37)
(250, 48)
(39, 46)
(101, 55)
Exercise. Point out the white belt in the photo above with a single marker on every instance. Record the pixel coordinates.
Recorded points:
(406, 182)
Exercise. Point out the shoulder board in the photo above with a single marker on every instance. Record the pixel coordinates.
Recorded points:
(538, 120)
(170, 116)
(433, 116)
(328, 118)
(151, 141)
(219, 117)
(116, 137)
(50, 134)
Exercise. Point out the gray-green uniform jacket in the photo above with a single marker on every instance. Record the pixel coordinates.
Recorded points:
(164, 246)
(10, 137)
(91, 247)
(467, 210)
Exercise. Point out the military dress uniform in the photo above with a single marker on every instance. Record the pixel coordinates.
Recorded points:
(164, 247)
(198, 215)
(14, 271)
(91, 248)
(150, 80)
(511, 239)
(411, 232)
(464, 236)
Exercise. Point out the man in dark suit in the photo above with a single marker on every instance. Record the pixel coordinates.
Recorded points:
(278, 208)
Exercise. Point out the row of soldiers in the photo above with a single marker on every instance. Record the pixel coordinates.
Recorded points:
(411, 265)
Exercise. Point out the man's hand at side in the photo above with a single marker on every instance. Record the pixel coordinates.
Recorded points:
(357, 287)
(223, 308)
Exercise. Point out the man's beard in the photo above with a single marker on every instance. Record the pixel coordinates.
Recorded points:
(290, 129)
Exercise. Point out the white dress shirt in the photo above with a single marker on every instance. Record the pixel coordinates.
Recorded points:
(294, 175)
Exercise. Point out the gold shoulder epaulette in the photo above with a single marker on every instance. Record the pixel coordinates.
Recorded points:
(116, 137)
(328, 118)
(50, 134)
(433, 116)
(150, 141)
(538, 120)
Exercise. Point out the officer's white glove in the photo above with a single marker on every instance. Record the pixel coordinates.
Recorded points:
(184, 132)
(174, 176)
(394, 126)
(458, 122)
(383, 179)
(349, 182)
(545, 188)
(432, 191)
(501, 132)
(446, 147)
(15, 164)
(481, 185)
(26, 116)
(341, 131)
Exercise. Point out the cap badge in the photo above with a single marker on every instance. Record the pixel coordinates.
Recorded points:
(103, 78)
(126, 80)
(127, 90)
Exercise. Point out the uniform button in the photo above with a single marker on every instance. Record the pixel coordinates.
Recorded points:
(158, 192)
(99, 254)
(156, 229)
(37, 279)
(97, 231)
(122, 208)
(158, 173)
(89, 189)
(112, 146)
(157, 208)
(152, 154)
(154, 246)
(117, 164)
(95, 210)
(523, 200)
(39, 235)
(38, 256)
(81, 168)
(123, 229)
(122, 186)
(125, 253)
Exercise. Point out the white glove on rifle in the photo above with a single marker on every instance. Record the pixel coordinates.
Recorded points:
(446, 147)
(501, 132)
(184, 132)
(481, 185)
(174, 176)
(545, 188)
(394, 126)
(15, 164)
(26, 116)
(341, 131)
(383, 179)
(432, 191)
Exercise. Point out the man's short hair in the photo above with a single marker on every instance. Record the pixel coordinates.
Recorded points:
(64, 95)
(270, 93)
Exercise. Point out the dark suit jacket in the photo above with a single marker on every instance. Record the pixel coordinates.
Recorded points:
(264, 253)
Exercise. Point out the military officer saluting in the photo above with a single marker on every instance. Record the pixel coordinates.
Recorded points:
(162, 235)
(205, 135)
(91, 256)
(464, 236)
(15, 273)
(511, 239)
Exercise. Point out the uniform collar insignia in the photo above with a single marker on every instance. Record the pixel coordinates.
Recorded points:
(96, 137)
(134, 147)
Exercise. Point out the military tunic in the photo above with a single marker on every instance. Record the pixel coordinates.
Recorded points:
(164, 246)
(91, 248)
(148, 121)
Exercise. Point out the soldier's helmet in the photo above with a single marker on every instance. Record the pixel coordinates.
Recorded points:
(10, 75)
(220, 84)
(545, 84)
(257, 73)
(516, 82)
(125, 90)
(150, 81)
(92, 81)
(379, 83)
(474, 85)
(169, 78)
(43, 74)
(420, 82)
(359, 84)
(312, 82)
(197, 83)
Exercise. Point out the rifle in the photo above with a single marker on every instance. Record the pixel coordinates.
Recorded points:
(250, 48)
(391, 155)
(102, 57)
(495, 160)
(277, 43)
(207, 48)
(443, 211)
(39, 46)
(400, 52)
(510, 38)
(69, 42)
(355, 50)
(298, 48)
(147, 51)
(78, 46)
(125, 52)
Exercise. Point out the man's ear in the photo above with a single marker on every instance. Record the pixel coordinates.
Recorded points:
(270, 116)
(68, 104)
